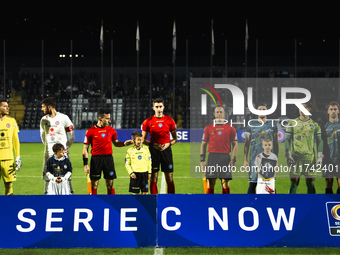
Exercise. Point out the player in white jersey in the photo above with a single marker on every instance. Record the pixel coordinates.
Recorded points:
(266, 163)
(55, 127)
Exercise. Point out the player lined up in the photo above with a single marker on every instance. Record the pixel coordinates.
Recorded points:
(299, 150)
(57, 129)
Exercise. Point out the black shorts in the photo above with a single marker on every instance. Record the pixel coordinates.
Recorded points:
(217, 166)
(163, 158)
(140, 183)
(105, 163)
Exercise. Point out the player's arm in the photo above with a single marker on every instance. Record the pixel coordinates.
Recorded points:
(203, 151)
(70, 137)
(117, 143)
(69, 129)
(172, 142)
(246, 150)
(149, 163)
(86, 158)
(319, 144)
(257, 163)
(147, 142)
(145, 135)
(49, 174)
(234, 154)
(275, 144)
(288, 142)
(16, 145)
(67, 176)
(42, 131)
(128, 163)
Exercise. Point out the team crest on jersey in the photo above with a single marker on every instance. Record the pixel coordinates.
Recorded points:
(57, 122)
(139, 157)
(65, 166)
(160, 125)
(219, 132)
(103, 135)
(8, 125)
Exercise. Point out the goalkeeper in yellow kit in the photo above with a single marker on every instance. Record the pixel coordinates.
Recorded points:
(8, 139)
(138, 165)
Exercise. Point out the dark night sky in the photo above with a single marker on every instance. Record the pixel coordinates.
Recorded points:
(75, 19)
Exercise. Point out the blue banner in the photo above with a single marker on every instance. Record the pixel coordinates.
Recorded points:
(78, 221)
(170, 221)
(33, 136)
(248, 220)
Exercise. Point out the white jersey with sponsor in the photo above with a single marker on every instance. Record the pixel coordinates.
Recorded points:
(266, 165)
(53, 130)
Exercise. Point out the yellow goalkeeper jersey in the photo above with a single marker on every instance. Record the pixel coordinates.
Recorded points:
(138, 160)
(8, 136)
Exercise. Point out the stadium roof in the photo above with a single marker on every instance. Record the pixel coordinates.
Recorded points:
(76, 19)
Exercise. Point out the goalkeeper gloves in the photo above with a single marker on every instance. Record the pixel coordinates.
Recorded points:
(18, 163)
(290, 160)
(320, 158)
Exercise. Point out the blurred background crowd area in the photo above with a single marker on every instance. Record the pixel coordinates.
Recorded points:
(43, 69)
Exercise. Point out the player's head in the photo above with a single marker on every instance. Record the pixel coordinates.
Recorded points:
(219, 112)
(4, 109)
(267, 145)
(47, 105)
(333, 109)
(308, 107)
(104, 117)
(137, 138)
(262, 107)
(59, 150)
(158, 107)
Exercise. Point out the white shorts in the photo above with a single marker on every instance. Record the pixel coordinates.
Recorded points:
(55, 188)
(265, 187)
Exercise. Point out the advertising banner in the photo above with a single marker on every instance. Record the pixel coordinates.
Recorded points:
(248, 220)
(78, 221)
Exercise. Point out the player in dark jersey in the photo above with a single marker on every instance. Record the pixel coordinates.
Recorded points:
(301, 135)
(100, 137)
(330, 133)
(160, 126)
(220, 137)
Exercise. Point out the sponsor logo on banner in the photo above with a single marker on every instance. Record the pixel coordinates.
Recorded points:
(333, 215)
(281, 135)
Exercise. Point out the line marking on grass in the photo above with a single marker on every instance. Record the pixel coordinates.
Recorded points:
(120, 177)
(159, 250)
(163, 184)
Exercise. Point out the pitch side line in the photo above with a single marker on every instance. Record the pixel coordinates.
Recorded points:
(120, 177)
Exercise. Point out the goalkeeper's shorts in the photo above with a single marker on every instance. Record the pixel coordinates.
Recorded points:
(7, 170)
(303, 167)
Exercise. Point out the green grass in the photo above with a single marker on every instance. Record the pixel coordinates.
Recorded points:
(174, 251)
(29, 180)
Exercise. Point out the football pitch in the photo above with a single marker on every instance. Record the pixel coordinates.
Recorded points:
(29, 182)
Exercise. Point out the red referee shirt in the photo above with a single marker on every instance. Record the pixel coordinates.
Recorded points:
(159, 128)
(100, 139)
(219, 137)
